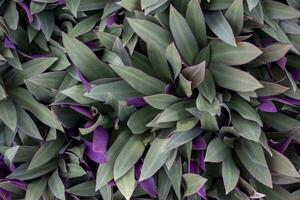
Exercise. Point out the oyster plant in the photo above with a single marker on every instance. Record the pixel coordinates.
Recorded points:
(150, 99)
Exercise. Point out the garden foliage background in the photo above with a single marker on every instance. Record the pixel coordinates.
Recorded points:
(149, 99)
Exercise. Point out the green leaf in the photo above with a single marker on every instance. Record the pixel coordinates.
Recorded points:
(175, 112)
(26, 125)
(183, 36)
(241, 106)
(174, 59)
(126, 184)
(234, 79)
(45, 153)
(252, 4)
(279, 121)
(155, 158)
(282, 165)
(148, 3)
(277, 10)
(8, 114)
(230, 174)
(196, 21)
(216, 151)
(47, 23)
(73, 6)
(243, 53)
(35, 189)
(74, 170)
(30, 69)
(129, 155)
(274, 52)
(252, 157)
(130, 5)
(179, 138)
(51, 80)
(247, 129)
(139, 80)
(161, 101)
(156, 54)
(85, 25)
(76, 93)
(219, 26)
(56, 186)
(193, 183)
(163, 185)
(85, 189)
(195, 73)
(11, 15)
(175, 176)
(22, 173)
(105, 171)
(204, 106)
(24, 99)
(271, 89)
(186, 124)
(119, 90)
(207, 87)
(149, 31)
(83, 58)
(184, 87)
(137, 121)
(235, 16)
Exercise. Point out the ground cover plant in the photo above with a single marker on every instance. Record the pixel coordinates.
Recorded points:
(150, 99)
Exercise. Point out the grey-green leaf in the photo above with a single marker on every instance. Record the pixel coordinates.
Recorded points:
(45, 153)
(252, 157)
(155, 158)
(234, 79)
(216, 151)
(243, 53)
(8, 114)
(140, 81)
(149, 31)
(128, 156)
(56, 186)
(183, 36)
(87, 62)
(219, 26)
(193, 183)
(127, 183)
(230, 173)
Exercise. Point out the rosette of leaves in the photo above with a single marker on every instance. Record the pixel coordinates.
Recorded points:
(153, 99)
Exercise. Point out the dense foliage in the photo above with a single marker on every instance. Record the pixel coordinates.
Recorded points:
(150, 99)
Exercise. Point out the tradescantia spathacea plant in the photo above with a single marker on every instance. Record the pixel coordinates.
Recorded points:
(150, 99)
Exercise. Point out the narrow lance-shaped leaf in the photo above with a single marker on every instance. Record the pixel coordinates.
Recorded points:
(139, 80)
(183, 36)
(127, 183)
(243, 53)
(56, 185)
(193, 183)
(235, 16)
(128, 156)
(219, 25)
(24, 99)
(83, 58)
(234, 79)
(196, 21)
(174, 59)
(8, 114)
(252, 157)
(150, 31)
(155, 158)
(46, 152)
(230, 174)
